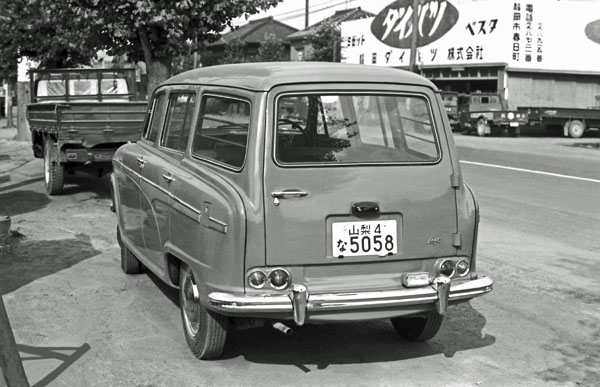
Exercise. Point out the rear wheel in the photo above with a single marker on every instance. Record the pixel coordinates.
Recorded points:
(576, 128)
(129, 262)
(54, 172)
(205, 331)
(421, 328)
(482, 127)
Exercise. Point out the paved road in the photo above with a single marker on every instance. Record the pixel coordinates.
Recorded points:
(80, 321)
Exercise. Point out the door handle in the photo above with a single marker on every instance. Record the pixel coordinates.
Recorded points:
(168, 178)
(287, 194)
(141, 162)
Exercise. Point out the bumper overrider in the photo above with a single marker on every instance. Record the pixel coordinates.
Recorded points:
(298, 302)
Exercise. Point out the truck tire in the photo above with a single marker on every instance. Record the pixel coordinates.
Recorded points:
(575, 128)
(418, 328)
(205, 331)
(54, 172)
(129, 262)
(482, 127)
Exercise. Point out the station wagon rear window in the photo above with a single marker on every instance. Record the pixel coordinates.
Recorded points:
(355, 128)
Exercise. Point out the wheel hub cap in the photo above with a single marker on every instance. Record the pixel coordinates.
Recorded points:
(191, 305)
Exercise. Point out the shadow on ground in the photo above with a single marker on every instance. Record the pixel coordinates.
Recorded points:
(322, 345)
(20, 202)
(66, 355)
(84, 182)
(22, 262)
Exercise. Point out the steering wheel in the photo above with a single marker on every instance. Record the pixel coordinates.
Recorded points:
(294, 125)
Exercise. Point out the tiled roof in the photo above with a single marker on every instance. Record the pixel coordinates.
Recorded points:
(254, 31)
(337, 18)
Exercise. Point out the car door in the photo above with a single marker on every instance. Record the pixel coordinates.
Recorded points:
(129, 165)
(158, 173)
(207, 216)
(356, 176)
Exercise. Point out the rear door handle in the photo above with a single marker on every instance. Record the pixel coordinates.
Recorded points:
(287, 194)
(168, 177)
(141, 162)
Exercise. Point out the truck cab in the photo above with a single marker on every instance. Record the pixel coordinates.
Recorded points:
(488, 114)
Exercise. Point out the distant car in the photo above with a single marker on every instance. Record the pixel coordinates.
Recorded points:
(295, 193)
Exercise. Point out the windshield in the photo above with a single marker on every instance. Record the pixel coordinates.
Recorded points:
(361, 128)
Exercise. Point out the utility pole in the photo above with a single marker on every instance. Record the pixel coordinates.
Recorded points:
(414, 37)
(306, 15)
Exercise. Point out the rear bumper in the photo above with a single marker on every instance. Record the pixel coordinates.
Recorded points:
(242, 305)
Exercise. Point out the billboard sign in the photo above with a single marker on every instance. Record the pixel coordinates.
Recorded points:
(530, 34)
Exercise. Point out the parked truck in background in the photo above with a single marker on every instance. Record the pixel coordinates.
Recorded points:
(450, 99)
(570, 122)
(79, 117)
(488, 114)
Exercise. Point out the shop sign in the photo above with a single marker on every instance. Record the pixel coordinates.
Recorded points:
(394, 24)
(592, 31)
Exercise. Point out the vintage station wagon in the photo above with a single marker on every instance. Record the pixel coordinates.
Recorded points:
(297, 193)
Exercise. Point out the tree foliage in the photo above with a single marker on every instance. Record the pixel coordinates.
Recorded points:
(271, 49)
(325, 41)
(70, 32)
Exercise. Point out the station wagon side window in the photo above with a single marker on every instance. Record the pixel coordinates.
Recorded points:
(179, 120)
(355, 128)
(222, 133)
(156, 117)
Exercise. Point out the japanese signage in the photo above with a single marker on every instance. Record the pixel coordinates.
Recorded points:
(536, 34)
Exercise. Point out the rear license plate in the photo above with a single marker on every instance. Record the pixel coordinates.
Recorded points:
(514, 124)
(351, 239)
(102, 156)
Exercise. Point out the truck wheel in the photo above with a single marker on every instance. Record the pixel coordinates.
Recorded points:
(576, 128)
(205, 331)
(129, 262)
(420, 328)
(54, 172)
(482, 127)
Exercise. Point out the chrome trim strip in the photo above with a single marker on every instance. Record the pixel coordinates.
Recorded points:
(280, 303)
(169, 194)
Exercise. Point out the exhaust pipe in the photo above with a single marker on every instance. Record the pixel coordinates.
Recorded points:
(283, 328)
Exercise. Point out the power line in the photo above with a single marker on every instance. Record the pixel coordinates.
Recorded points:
(300, 12)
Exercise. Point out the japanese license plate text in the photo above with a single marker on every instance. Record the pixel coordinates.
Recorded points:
(364, 238)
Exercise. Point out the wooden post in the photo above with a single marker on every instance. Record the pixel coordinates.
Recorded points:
(8, 104)
(23, 98)
(10, 360)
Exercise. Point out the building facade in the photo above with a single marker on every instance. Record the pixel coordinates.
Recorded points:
(533, 52)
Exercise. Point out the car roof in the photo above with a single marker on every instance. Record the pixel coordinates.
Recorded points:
(263, 76)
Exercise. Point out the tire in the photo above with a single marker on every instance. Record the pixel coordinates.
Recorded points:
(482, 127)
(205, 331)
(129, 262)
(576, 128)
(420, 328)
(54, 172)
(512, 132)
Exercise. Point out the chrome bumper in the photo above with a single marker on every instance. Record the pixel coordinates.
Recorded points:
(299, 303)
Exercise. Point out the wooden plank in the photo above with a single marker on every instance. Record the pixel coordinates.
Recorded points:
(10, 360)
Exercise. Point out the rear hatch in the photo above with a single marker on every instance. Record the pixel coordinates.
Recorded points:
(357, 177)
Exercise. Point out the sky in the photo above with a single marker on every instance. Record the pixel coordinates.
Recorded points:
(291, 12)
